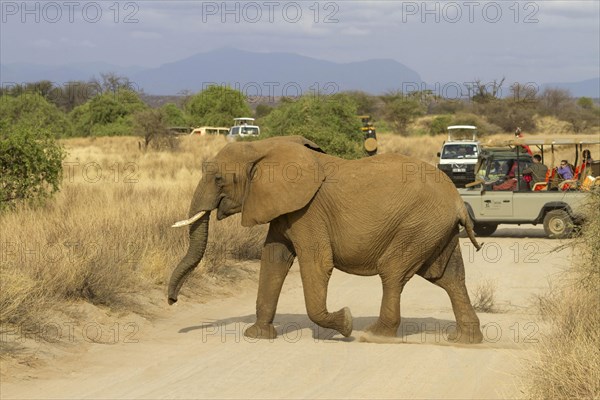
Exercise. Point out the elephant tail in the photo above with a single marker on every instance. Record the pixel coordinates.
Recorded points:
(465, 220)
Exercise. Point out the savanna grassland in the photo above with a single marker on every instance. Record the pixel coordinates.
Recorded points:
(106, 236)
(106, 240)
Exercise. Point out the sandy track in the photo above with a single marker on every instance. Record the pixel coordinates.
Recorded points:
(198, 350)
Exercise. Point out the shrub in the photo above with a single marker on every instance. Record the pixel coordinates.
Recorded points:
(401, 111)
(439, 124)
(151, 125)
(174, 116)
(95, 117)
(509, 115)
(484, 297)
(329, 121)
(217, 105)
(32, 110)
(30, 164)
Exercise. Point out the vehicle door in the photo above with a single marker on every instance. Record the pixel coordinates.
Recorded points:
(496, 204)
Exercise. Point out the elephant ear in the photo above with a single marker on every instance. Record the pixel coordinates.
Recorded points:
(284, 178)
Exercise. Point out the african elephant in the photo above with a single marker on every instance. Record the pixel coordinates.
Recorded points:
(389, 215)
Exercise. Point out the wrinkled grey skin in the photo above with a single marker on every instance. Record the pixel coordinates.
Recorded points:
(389, 215)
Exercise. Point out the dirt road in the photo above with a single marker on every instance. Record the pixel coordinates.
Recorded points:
(199, 351)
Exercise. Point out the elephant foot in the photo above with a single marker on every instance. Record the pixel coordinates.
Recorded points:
(467, 334)
(256, 331)
(381, 329)
(346, 324)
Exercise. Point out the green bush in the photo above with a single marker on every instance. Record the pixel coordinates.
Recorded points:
(401, 111)
(107, 114)
(32, 110)
(217, 106)
(329, 121)
(30, 164)
(174, 115)
(509, 115)
(440, 124)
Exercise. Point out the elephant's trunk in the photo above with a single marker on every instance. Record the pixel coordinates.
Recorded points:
(198, 240)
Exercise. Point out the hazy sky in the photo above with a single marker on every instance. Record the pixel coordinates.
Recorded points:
(527, 41)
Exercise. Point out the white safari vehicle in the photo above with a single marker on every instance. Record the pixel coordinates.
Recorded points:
(459, 154)
(210, 130)
(243, 127)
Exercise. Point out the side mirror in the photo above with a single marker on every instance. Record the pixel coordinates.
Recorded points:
(438, 154)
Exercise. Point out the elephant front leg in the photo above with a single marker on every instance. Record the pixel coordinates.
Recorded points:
(276, 260)
(315, 279)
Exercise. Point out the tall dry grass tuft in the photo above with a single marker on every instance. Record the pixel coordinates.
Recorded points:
(568, 363)
(484, 297)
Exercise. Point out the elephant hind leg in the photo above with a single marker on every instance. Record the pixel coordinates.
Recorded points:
(453, 282)
(389, 316)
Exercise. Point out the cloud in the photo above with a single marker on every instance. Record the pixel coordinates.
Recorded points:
(62, 42)
(43, 43)
(146, 35)
(65, 41)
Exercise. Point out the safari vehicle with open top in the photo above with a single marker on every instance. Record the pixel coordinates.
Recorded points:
(501, 193)
(243, 127)
(459, 154)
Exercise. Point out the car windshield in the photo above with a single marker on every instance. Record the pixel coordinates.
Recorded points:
(460, 150)
(249, 130)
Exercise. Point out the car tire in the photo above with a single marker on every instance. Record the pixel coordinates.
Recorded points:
(485, 229)
(558, 224)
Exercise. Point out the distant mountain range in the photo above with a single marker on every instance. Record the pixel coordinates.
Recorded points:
(266, 74)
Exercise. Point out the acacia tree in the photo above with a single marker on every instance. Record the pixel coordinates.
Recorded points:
(400, 110)
(151, 124)
(485, 92)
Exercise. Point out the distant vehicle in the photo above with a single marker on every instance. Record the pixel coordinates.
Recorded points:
(370, 136)
(459, 154)
(179, 130)
(243, 127)
(210, 130)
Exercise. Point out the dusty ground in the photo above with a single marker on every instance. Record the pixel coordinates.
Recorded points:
(198, 350)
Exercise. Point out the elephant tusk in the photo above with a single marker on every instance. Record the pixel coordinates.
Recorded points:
(188, 221)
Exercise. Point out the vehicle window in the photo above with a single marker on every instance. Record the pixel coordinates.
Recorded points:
(249, 131)
(499, 168)
(235, 130)
(460, 150)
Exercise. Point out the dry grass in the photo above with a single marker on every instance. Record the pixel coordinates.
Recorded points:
(426, 147)
(484, 297)
(107, 234)
(568, 363)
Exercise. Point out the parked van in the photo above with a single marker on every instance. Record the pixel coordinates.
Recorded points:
(210, 130)
(459, 154)
(243, 127)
